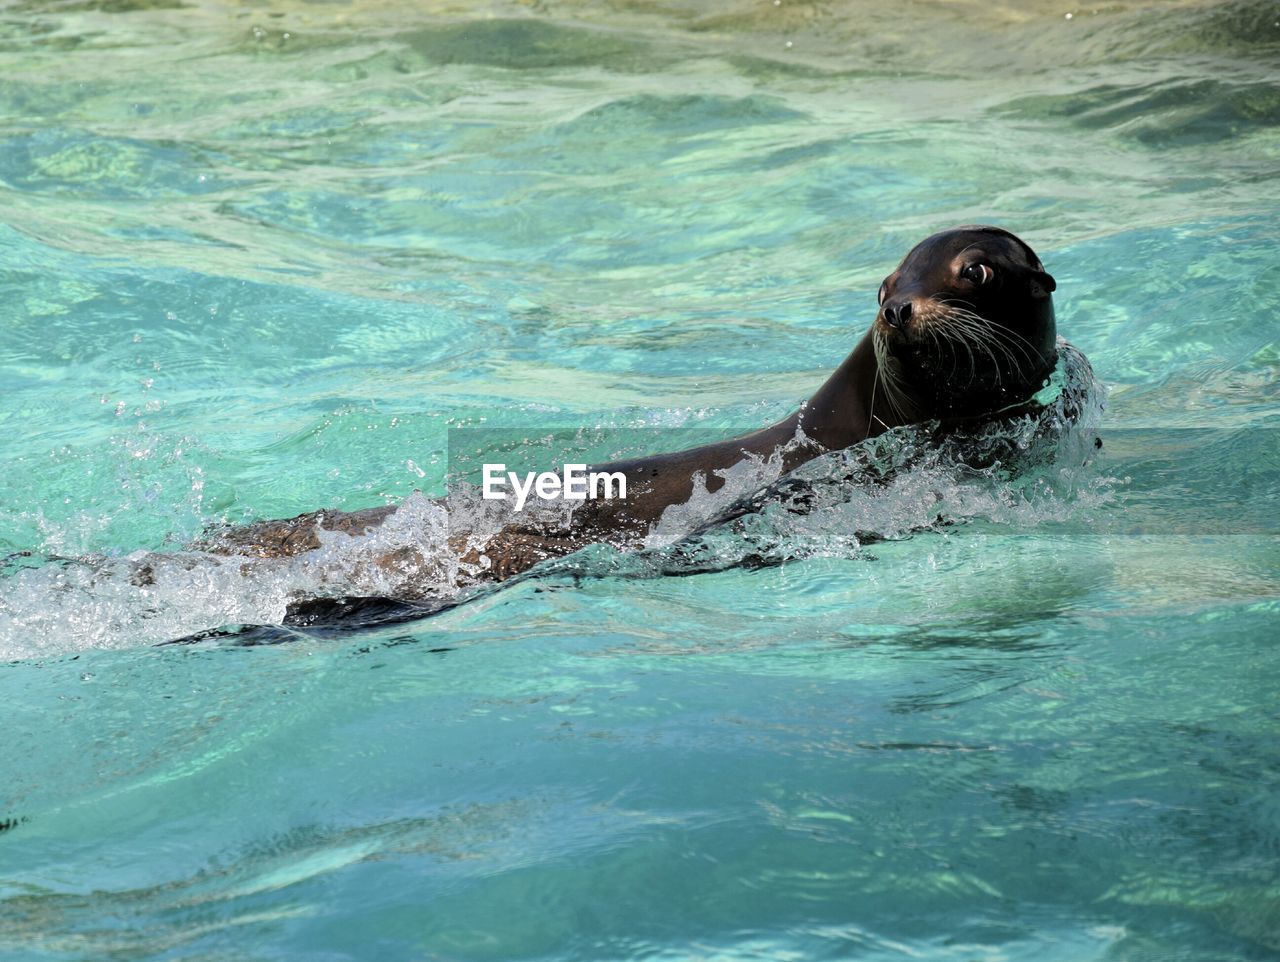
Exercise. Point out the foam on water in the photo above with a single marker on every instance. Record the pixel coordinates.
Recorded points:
(148, 597)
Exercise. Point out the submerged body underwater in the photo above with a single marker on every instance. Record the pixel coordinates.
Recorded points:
(263, 261)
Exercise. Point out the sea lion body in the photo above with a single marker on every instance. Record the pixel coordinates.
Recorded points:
(965, 329)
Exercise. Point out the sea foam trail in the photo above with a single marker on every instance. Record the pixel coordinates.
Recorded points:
(1026, 472)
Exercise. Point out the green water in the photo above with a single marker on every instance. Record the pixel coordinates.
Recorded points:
(259, 260)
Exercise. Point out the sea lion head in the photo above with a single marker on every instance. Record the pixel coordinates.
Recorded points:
(965, 325)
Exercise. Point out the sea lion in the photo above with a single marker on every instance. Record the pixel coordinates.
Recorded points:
(965, 332)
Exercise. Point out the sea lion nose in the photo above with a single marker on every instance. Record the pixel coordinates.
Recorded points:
(897, 311)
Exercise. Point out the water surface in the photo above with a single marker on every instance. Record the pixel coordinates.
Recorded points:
(262, 260)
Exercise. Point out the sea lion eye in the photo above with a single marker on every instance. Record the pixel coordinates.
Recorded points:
(978, 273)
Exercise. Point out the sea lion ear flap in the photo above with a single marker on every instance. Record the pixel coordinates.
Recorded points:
(1042, 284)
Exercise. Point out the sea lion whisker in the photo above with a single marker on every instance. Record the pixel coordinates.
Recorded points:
(1007, 346)
(889, 377)
(984, 340)
(970, 333)
(979, 330)
(971, 328)
(952, 332)
(1006, 349)
(884, 377)
(893, 396)
(936, 339)
(958, 302)
(996, 326)
(955, 358)
(877, 347)
(970, 311)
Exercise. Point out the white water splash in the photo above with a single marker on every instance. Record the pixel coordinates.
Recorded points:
(887, 488)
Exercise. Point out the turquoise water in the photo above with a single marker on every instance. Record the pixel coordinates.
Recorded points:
(259, 260)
